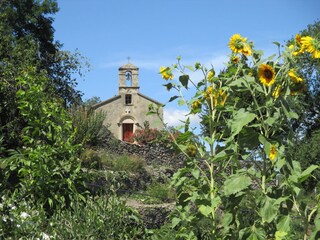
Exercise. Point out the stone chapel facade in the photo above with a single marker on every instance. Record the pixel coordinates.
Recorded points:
(127, 111)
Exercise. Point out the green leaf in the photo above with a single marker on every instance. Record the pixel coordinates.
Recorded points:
(248, 138)
(168, 86)
(191, 68)
(195, 173)
(269, 210)
(280, 235)
(276, 43)
(241, 119)
(307, 173)
(173, 98)
(283, 224)
(184, 80)
(227, 219)
(270, 121)
(289, 114)
(50, 202)
(175, 221)
(184, 137)
(205, 210)
(236, 183)
(181, 102)
(257, 234)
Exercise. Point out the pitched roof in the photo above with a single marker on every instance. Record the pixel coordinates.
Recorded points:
(128, 66)
(106, 101)
(150, 99)
(119, 96)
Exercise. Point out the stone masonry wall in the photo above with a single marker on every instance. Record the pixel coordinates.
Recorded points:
(153, 153)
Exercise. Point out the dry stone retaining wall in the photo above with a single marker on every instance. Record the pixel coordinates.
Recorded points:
(153, 153)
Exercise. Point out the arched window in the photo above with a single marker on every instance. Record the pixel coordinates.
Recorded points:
(129, 78)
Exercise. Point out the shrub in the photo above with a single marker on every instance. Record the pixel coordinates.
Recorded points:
(144, 136)
(90, 159)
(97, 218)
(88, 126)
(21, 219)
(104, 217)
(46, 170)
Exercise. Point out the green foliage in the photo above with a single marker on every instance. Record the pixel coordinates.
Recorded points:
(128, 163)
(98, 218)
(46, 169)
(88, 126)
(310, 72)
(305, 148)
(157, 193)
(163, 233)
(21, 218)
(91, 102)
(26, 39)
(90, 159)
(94, 218)
(248, 112)
(307, 152)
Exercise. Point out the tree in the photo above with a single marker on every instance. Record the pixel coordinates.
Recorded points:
(305, 149)
(88, 103)
(27, 39)
(310, 72)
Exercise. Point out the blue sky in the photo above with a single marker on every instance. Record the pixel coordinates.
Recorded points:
(153, 33)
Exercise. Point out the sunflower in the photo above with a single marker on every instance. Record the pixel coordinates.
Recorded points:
(222, 96)
(292, 74)
(166, 73)
(246, 49)
(276, 91)
(238, 44)
(266, 74)
(296, 47)
(273, 153)
(235, 59)
(196, 105)
(311, 45)
(298, 39)
(210, 75)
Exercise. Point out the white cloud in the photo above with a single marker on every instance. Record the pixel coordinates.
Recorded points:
(174, 117)
(154, 61)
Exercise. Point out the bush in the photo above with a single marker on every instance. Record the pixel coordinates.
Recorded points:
(90, 159)
(88, 126)
(144, 136)
(97, 218)
(94, 218)
(46, 169)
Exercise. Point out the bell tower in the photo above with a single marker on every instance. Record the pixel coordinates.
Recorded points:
(128, 79)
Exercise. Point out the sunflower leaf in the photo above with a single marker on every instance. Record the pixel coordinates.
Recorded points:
(241, 119)
(236, 183)
(184, 79)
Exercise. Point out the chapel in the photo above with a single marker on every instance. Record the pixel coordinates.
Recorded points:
(128, 110)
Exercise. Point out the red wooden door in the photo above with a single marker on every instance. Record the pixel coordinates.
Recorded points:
(127, 131)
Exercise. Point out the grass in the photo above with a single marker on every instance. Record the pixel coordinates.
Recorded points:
(156, 193)
(106, 161)
(132, 164)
